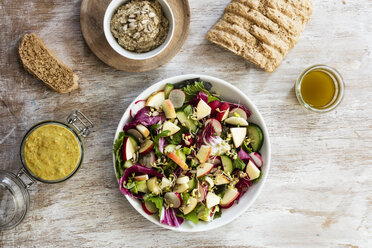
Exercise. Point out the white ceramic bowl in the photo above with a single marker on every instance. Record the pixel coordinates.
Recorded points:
(110, 11)
(230, 93)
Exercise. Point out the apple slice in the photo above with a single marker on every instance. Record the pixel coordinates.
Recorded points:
(223, 111)
(238, 135)
(238, 112)
(156, 100)
(215, 124)
(257, 159)
(165, 182)
(173, 199)
(177, 160)
(236, 121)
(202, 110)
(138, 105)
(183, 179)
(252, 170)
(173, 128)
(203, 169)
(153, 185)
(203, 153)
(212, 199)
(191, 204)
(128, 149)
(229, 197)
(146, 147)
(141, 177)
(149, 208)
(168, 109)
(180, 188)
(143, 130)
(221, 179)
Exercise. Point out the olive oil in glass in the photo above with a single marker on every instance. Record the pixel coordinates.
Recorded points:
(320, 88)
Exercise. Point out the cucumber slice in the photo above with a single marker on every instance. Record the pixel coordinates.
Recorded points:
(142, 186)
(192, 184)
(254, 132)
(167, 90)
(128, 164)
(227, 164)
(182, 117)
(169, 148)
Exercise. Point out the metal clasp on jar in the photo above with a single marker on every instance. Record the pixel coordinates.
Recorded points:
(80, 122)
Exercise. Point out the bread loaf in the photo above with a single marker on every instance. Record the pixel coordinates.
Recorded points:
(261, 31)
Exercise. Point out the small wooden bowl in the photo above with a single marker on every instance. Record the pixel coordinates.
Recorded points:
(91, 20)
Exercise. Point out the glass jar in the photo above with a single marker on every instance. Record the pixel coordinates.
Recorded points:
(14, 195)
(338, 84)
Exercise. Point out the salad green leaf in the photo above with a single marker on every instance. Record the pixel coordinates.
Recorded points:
(186, 150)
(188, 110)
(185, 197)
(155, 127)
(238, 164)
(192, 90)
(192, 216)
(119, 163)
(258, 178)
(176, 138)
(217, 214)
(203, 213)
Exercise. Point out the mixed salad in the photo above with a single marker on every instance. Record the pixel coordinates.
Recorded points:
(187, 154)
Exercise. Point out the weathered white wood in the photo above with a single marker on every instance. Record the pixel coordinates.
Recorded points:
(319, 190)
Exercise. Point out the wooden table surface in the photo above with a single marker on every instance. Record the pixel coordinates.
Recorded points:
(319, 190)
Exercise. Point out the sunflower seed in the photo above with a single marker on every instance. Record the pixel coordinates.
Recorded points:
(136, 35)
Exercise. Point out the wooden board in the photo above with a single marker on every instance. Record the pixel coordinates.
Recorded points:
(318, 192)
(91, 21)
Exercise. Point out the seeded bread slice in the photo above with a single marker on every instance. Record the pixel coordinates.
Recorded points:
(39, 61)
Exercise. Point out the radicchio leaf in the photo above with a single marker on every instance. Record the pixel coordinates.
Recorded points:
(200, 96)
(143, 117)
(242, 186)
(244, 156)
(169, 217)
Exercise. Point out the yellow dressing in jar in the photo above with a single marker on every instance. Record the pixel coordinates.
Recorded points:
(318, 89)
(52, 152)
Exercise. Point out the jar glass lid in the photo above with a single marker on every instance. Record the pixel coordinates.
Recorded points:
(14, 200)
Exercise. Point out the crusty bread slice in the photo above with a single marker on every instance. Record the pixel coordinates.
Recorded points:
(261, 31)
(38, 60)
